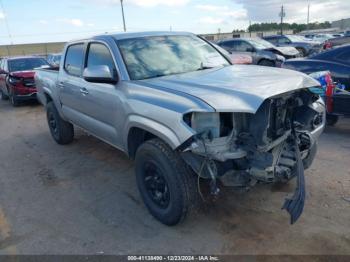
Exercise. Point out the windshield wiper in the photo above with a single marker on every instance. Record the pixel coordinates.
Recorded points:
(154, 76)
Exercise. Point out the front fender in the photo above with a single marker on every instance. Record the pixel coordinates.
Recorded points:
(171, 137)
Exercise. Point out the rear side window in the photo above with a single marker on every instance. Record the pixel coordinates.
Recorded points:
(74, 59)
(100, 55)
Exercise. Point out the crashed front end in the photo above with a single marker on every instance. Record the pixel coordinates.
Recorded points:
(273, 145)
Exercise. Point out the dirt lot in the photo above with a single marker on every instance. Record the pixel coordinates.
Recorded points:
(82, 199)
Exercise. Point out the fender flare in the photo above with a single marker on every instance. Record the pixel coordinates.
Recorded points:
(161, 131)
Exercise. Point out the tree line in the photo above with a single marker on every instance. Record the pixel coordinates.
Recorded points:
(286, 26)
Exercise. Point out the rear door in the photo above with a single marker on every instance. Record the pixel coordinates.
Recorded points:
(69, 82)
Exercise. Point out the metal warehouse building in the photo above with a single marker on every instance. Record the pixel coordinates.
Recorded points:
(342, 24)
(31, 49)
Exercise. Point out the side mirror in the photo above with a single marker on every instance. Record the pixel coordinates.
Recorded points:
(3, 72)
(99, 74)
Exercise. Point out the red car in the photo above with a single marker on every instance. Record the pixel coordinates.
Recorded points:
(17, 78)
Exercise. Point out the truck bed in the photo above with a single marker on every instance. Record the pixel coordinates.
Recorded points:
(45, 81)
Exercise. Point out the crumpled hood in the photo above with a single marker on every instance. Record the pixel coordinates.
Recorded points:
(287, 50)
(237, 88)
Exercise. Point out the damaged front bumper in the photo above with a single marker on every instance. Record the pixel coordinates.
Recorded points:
(261, 148)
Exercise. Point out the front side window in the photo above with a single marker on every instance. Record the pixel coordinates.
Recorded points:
(272, 40)
(100, 55)
(283, 40)
(155, 56)
(228, 45)
(25, 64)
(74, 59)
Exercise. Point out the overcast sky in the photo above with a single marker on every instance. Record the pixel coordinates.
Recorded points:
(31, 21)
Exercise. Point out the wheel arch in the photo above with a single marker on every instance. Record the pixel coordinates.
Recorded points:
(141, 129)
(266, 59)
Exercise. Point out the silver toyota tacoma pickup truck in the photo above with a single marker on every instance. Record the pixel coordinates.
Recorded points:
(176, 104)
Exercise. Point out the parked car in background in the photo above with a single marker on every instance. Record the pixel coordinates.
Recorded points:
(236, 58)
(261, 52)
(304, 46)
(322, 37)
(337, 41)
(178, 106)
(336, 99)
(337, 35)
(54, 59)
(17, 78)
(336, 60)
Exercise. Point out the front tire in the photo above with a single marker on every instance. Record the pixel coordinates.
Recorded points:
(302, 51)
(332, 119)
(265, 62)
(307, 162)
(61, 130)
(3, 96)
(166, 184)
(13, 100)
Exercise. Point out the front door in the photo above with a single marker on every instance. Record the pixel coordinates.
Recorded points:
(100, 102)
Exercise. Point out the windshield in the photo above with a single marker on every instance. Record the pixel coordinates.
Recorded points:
(260, 43)
(155, 56)
(296, 38)
(25, 64)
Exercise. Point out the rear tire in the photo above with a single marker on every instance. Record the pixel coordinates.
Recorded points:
(166, 184)
(265, 62)
(13, 99)
(61, 130)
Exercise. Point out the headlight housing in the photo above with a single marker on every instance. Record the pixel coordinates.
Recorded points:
(14, 80)
(217, 124)
(203, 122)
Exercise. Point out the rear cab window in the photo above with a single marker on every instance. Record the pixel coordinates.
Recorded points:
(74, 59)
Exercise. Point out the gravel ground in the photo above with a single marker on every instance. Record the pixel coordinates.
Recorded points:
(82, 199)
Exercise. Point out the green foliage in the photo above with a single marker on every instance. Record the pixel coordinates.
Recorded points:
(286, 26)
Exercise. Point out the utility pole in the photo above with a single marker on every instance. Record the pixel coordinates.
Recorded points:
(308, 17)
(121, 3)
(282, 15)
(250, 28)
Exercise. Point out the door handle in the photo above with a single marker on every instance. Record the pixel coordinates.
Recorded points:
(84, 91)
